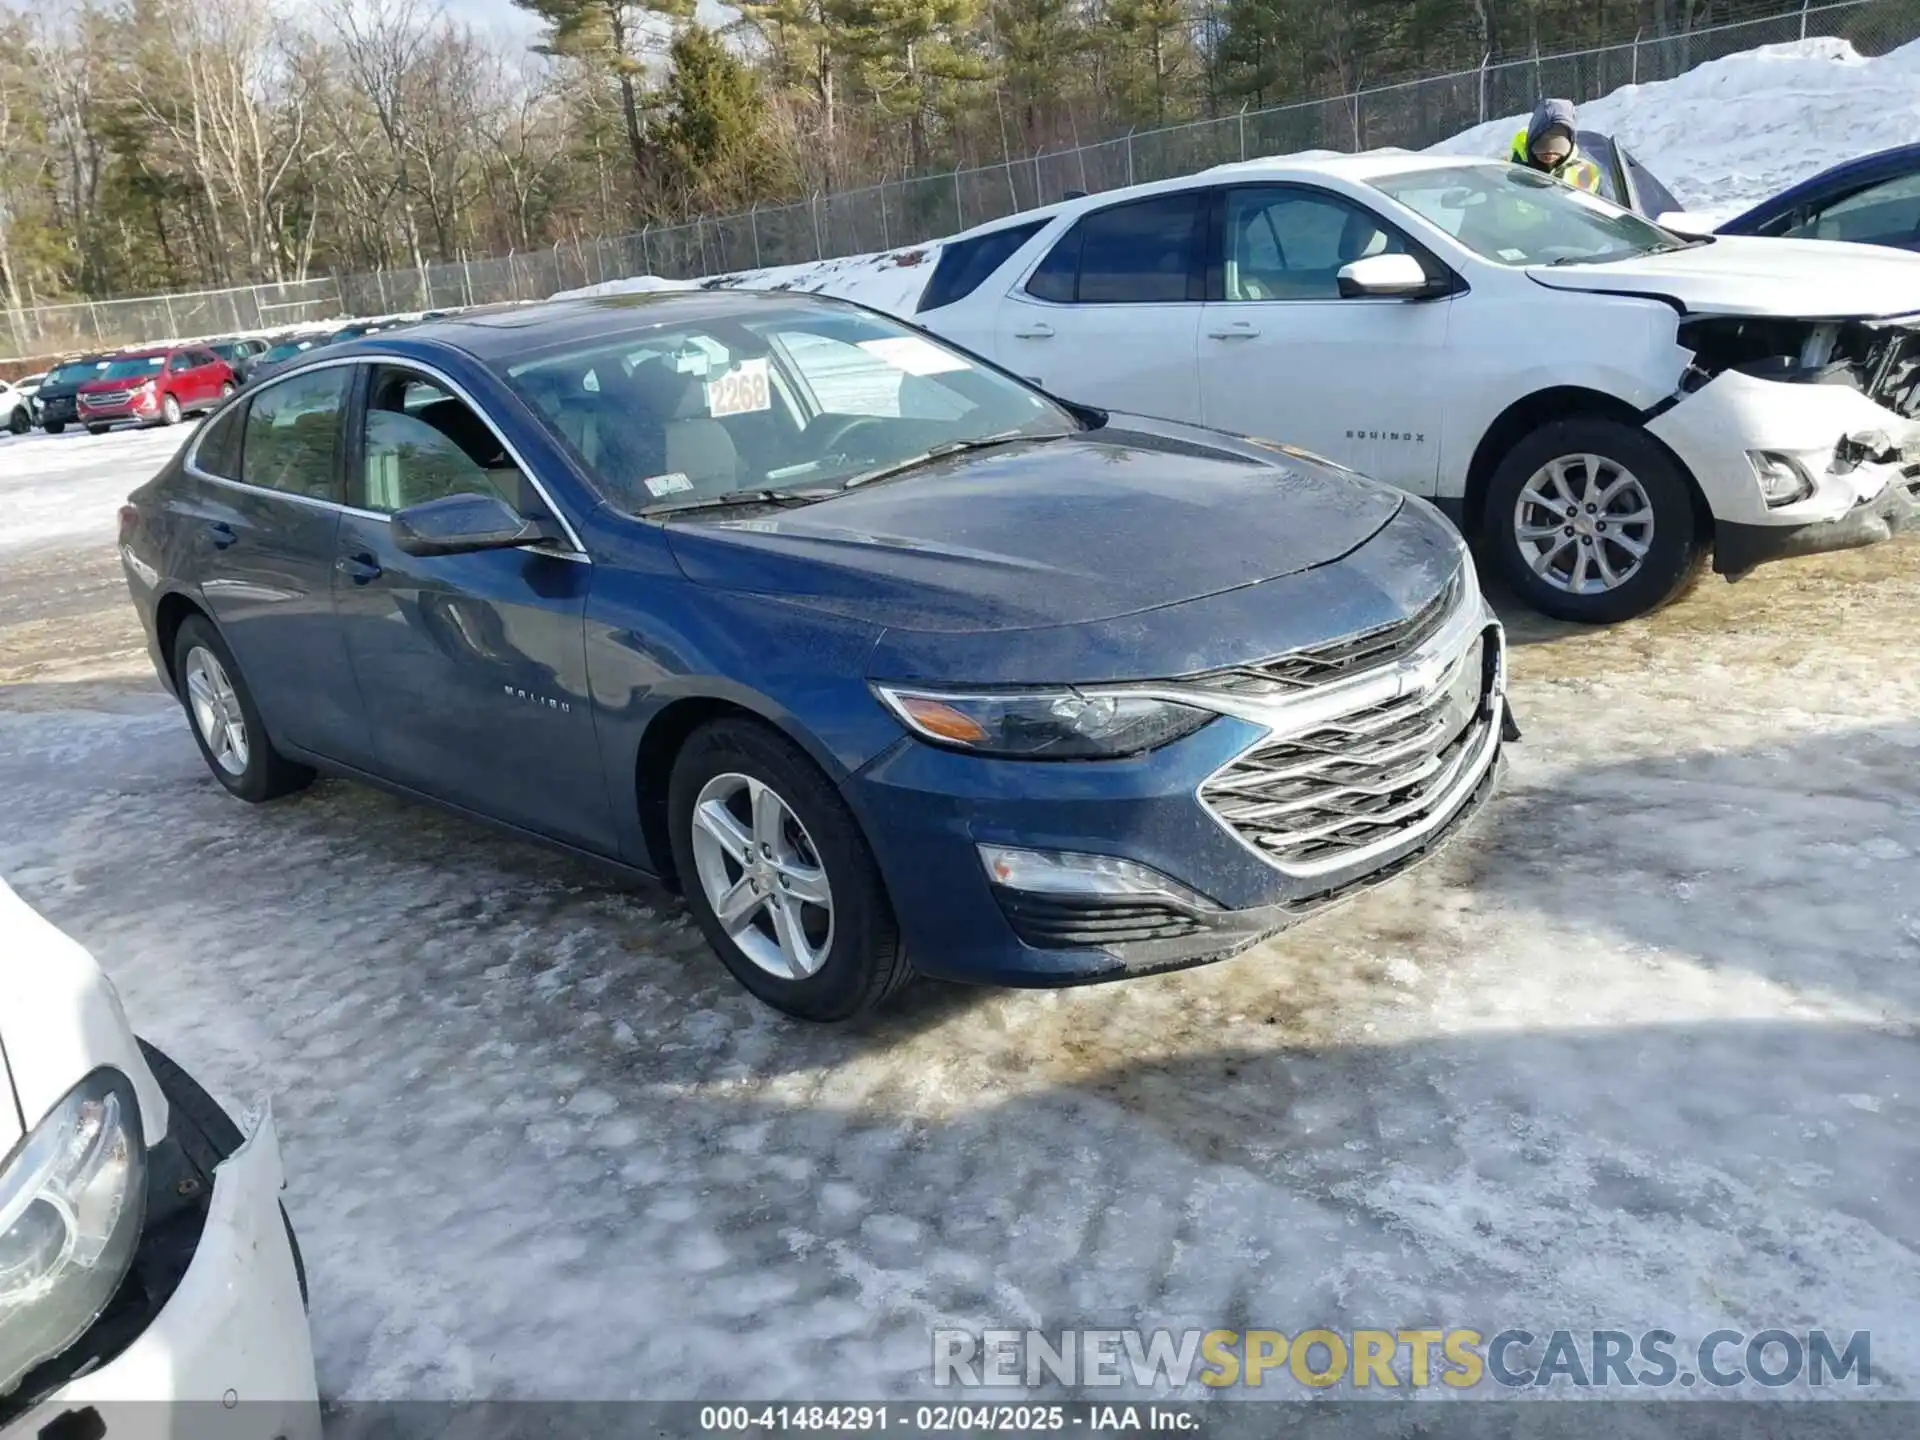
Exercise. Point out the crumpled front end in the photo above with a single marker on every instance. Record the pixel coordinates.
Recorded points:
(1803, 435)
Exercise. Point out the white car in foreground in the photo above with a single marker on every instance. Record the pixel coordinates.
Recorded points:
(144, 1255)
(1607, 401)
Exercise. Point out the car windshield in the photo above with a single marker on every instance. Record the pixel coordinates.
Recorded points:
(73, 374)
(779, 404)
(1515, 216)
(133, 366)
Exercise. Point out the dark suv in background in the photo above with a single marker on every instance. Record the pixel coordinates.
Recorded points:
(58, 395)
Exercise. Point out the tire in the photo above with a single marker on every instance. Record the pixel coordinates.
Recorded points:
(208, 1133)
(251, 769)
(860, 958)
(54, 427)
(170, 411)
(98, 429)
(21, 421)
(1553, 463)
(226, 389)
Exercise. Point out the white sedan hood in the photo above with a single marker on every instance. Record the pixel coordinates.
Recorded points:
(60, 1020)
(1747, 275)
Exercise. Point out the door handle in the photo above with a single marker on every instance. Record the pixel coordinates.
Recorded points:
(1040, 330)
(1238, 330)
(221, 534)
(358, 568)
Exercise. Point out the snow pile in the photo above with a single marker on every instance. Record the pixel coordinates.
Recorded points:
(1731, 132)
(1722, 136)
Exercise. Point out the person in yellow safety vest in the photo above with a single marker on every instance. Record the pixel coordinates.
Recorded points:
(1547, 145)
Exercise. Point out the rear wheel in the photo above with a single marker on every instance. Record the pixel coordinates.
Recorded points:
(226, 722)
(1592, 520)
(778, 875)
(21, 421)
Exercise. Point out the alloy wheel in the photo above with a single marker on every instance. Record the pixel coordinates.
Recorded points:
(216, 711)
(762, 875)
(1584, 524)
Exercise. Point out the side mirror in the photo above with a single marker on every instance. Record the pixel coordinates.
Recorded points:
(1393, 275)
(461, 524)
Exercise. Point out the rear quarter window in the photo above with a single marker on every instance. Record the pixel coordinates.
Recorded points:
(964, 264)
(217, 451)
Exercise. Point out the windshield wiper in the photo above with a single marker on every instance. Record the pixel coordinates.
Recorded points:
(735, 498)
(943, 450)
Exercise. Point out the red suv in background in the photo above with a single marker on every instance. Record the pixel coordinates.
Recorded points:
(155, 385)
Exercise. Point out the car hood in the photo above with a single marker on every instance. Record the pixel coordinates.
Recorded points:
(1747, 275)
(1087, 528)
(60, 1019)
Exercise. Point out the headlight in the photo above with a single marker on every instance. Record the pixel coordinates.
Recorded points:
(72, 1198)
(1060, 724)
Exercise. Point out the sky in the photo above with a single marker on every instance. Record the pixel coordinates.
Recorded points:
(505, 18)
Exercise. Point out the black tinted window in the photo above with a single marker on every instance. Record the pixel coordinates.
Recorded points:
(219, 444)
(1138, 253)
(1054, 277)
(965, 263)
(293, 431)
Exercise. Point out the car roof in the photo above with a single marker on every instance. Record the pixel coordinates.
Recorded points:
(502, 332)
(1309, 167)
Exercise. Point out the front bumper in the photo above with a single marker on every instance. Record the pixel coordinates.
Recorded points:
(117, 414)
(228, 1356)
(1857, 455)
(928, 811)
(1738, 549)
(61, 410)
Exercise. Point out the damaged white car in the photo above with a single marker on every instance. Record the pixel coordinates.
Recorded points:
(144, 1254)
(1609, 402)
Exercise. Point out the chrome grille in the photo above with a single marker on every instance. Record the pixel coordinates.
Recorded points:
(104, 398)
(1324, 664)
(1310, 802)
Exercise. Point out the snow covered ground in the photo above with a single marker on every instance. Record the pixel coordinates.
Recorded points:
(1722, 136)
(1639, 1053)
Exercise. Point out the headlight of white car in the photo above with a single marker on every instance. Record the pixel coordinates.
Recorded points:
(72, 1199)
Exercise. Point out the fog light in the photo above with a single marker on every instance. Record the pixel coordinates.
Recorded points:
(1783, 479)
(1063, 872)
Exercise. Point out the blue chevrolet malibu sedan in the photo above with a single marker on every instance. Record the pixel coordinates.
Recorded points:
(886, 660)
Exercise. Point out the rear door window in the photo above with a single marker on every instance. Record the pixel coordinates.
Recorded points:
(291, 438)
(1138, 253)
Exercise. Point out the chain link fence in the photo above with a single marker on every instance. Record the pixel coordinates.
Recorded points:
(1412, 114)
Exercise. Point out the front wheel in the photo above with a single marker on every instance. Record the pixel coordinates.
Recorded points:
(98, 429)
(170, 410)
(226, 722)
(54, 427)
(1592, 521)
(778, 875)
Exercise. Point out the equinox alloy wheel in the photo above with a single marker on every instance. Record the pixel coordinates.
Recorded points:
(1584, 524)
(778, 875)
(1593, 520)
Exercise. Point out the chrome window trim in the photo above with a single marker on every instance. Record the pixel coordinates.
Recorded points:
(453, 387)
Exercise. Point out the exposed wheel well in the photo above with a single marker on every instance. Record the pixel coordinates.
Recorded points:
(168, 617)
(659, 747)
(1524, 416)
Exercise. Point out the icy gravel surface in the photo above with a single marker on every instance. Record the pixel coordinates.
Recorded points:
(1639, 1053)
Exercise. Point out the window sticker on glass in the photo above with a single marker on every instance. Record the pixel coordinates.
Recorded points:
(913, 355)
(741, 390)
(1513, 256)
(671, 483)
